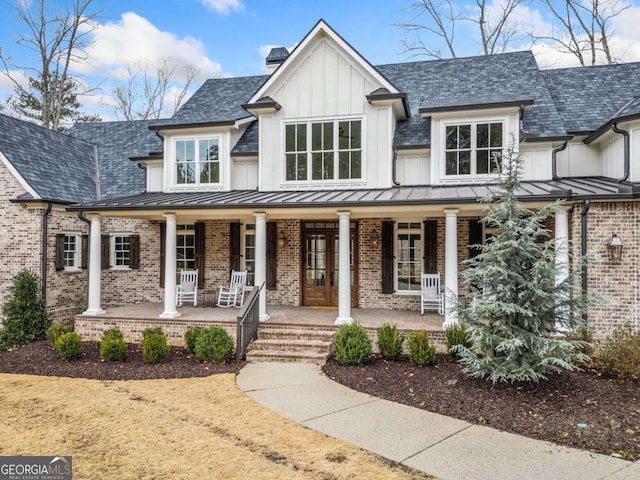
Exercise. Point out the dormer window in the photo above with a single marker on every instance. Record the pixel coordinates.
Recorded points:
(326, 150)
(197, 161)
(473, 148)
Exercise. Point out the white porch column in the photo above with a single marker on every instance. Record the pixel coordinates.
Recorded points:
(450, 267)
(261, 262)
(95, 265)
(344, 270)
(562, 257)
(170, 268)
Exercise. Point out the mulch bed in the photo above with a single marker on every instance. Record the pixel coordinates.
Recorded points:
(582, 410)
(40, 358)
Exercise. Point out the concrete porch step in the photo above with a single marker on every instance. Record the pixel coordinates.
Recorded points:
(255, 356)
(296, 333)
(292, 344)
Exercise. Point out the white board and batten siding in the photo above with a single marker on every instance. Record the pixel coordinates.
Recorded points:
(326, 84)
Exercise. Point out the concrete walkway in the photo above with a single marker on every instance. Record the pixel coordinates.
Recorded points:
(435, 444)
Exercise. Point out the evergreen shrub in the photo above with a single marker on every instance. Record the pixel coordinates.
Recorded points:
(421, 352)
(155, 348)
(214, 345)
(457, 335)
(56, 331)
(190, 338)
(619, 356)
(69, 346)
(112, 334)
(25, 318)
(352, 344)
(390, 342)
(112, 347)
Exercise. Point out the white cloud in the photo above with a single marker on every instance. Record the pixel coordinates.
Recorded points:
(133, 39)
(223, 7)
(7, 87)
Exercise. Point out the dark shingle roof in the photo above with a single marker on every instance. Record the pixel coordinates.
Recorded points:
(511, 75)
(586, 97)
(116, 142)
(631, 109)
(575, 188)
(55, 165)
(248, 143)
(218, 100)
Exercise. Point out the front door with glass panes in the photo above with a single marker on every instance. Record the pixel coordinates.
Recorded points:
(320, 261)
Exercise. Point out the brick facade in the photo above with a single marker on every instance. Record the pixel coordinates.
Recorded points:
(616, 284)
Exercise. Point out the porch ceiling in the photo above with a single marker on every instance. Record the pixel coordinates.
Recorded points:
(362, 202)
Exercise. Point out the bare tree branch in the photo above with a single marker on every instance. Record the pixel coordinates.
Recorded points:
(585, 28)
(144, 93)
(59, 38)
(442, 16)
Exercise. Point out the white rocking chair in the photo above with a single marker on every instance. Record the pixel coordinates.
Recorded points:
(431, 296)
(188, 288)
(233, 295)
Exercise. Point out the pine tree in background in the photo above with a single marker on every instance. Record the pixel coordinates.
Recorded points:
(25, 316)
(518, 316)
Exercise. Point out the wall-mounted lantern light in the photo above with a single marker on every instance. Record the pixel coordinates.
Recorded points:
(614, 248)
(282, 241)
(375, 239)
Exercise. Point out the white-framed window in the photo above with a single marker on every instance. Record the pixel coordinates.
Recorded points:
(185, 247)
(473, 148)
(71, 252)
(197, 161)
(249, 252)
(408, 257)
(323, 150)
(120, 251)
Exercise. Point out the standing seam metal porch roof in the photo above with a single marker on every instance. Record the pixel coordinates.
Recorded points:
(573, 189)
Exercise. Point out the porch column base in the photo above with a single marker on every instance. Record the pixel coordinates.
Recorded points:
(343, 321)
(264, 317)
(169, 315)
(94, 311)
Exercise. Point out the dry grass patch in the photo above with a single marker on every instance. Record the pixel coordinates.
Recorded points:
(178, 429)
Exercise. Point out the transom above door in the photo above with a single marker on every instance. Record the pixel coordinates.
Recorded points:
(320, 263)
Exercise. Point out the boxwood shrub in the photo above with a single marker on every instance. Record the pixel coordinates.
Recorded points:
(214, 345)
(352, 344)
(69, 346)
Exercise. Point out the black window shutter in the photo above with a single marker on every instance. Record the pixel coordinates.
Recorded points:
(475, 237)
(134, 251)
(60, 251)
(234, 246)
(163, 250)
(272, 255)
(430, 246)
(387, 256)
(199, 242)
(104, 252)
(84, 251)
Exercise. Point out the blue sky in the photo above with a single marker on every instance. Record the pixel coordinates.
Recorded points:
(232, 37)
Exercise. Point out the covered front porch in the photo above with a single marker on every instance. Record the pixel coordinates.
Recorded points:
(133, 319)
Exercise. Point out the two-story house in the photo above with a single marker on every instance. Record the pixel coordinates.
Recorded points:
(337, 183)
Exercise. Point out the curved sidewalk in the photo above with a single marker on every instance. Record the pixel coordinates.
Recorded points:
(441, 446)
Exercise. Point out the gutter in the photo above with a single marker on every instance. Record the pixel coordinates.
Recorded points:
(554, 161)
(43, 262)
(393, 168)
(627, 156)
(583, 248)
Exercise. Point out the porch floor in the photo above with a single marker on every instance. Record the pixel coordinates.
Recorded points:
(367, 317)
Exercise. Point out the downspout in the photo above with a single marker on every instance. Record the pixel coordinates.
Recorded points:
(43, 266)
(554, 161)
(393, 168)
(627, 156)
(583, 249)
